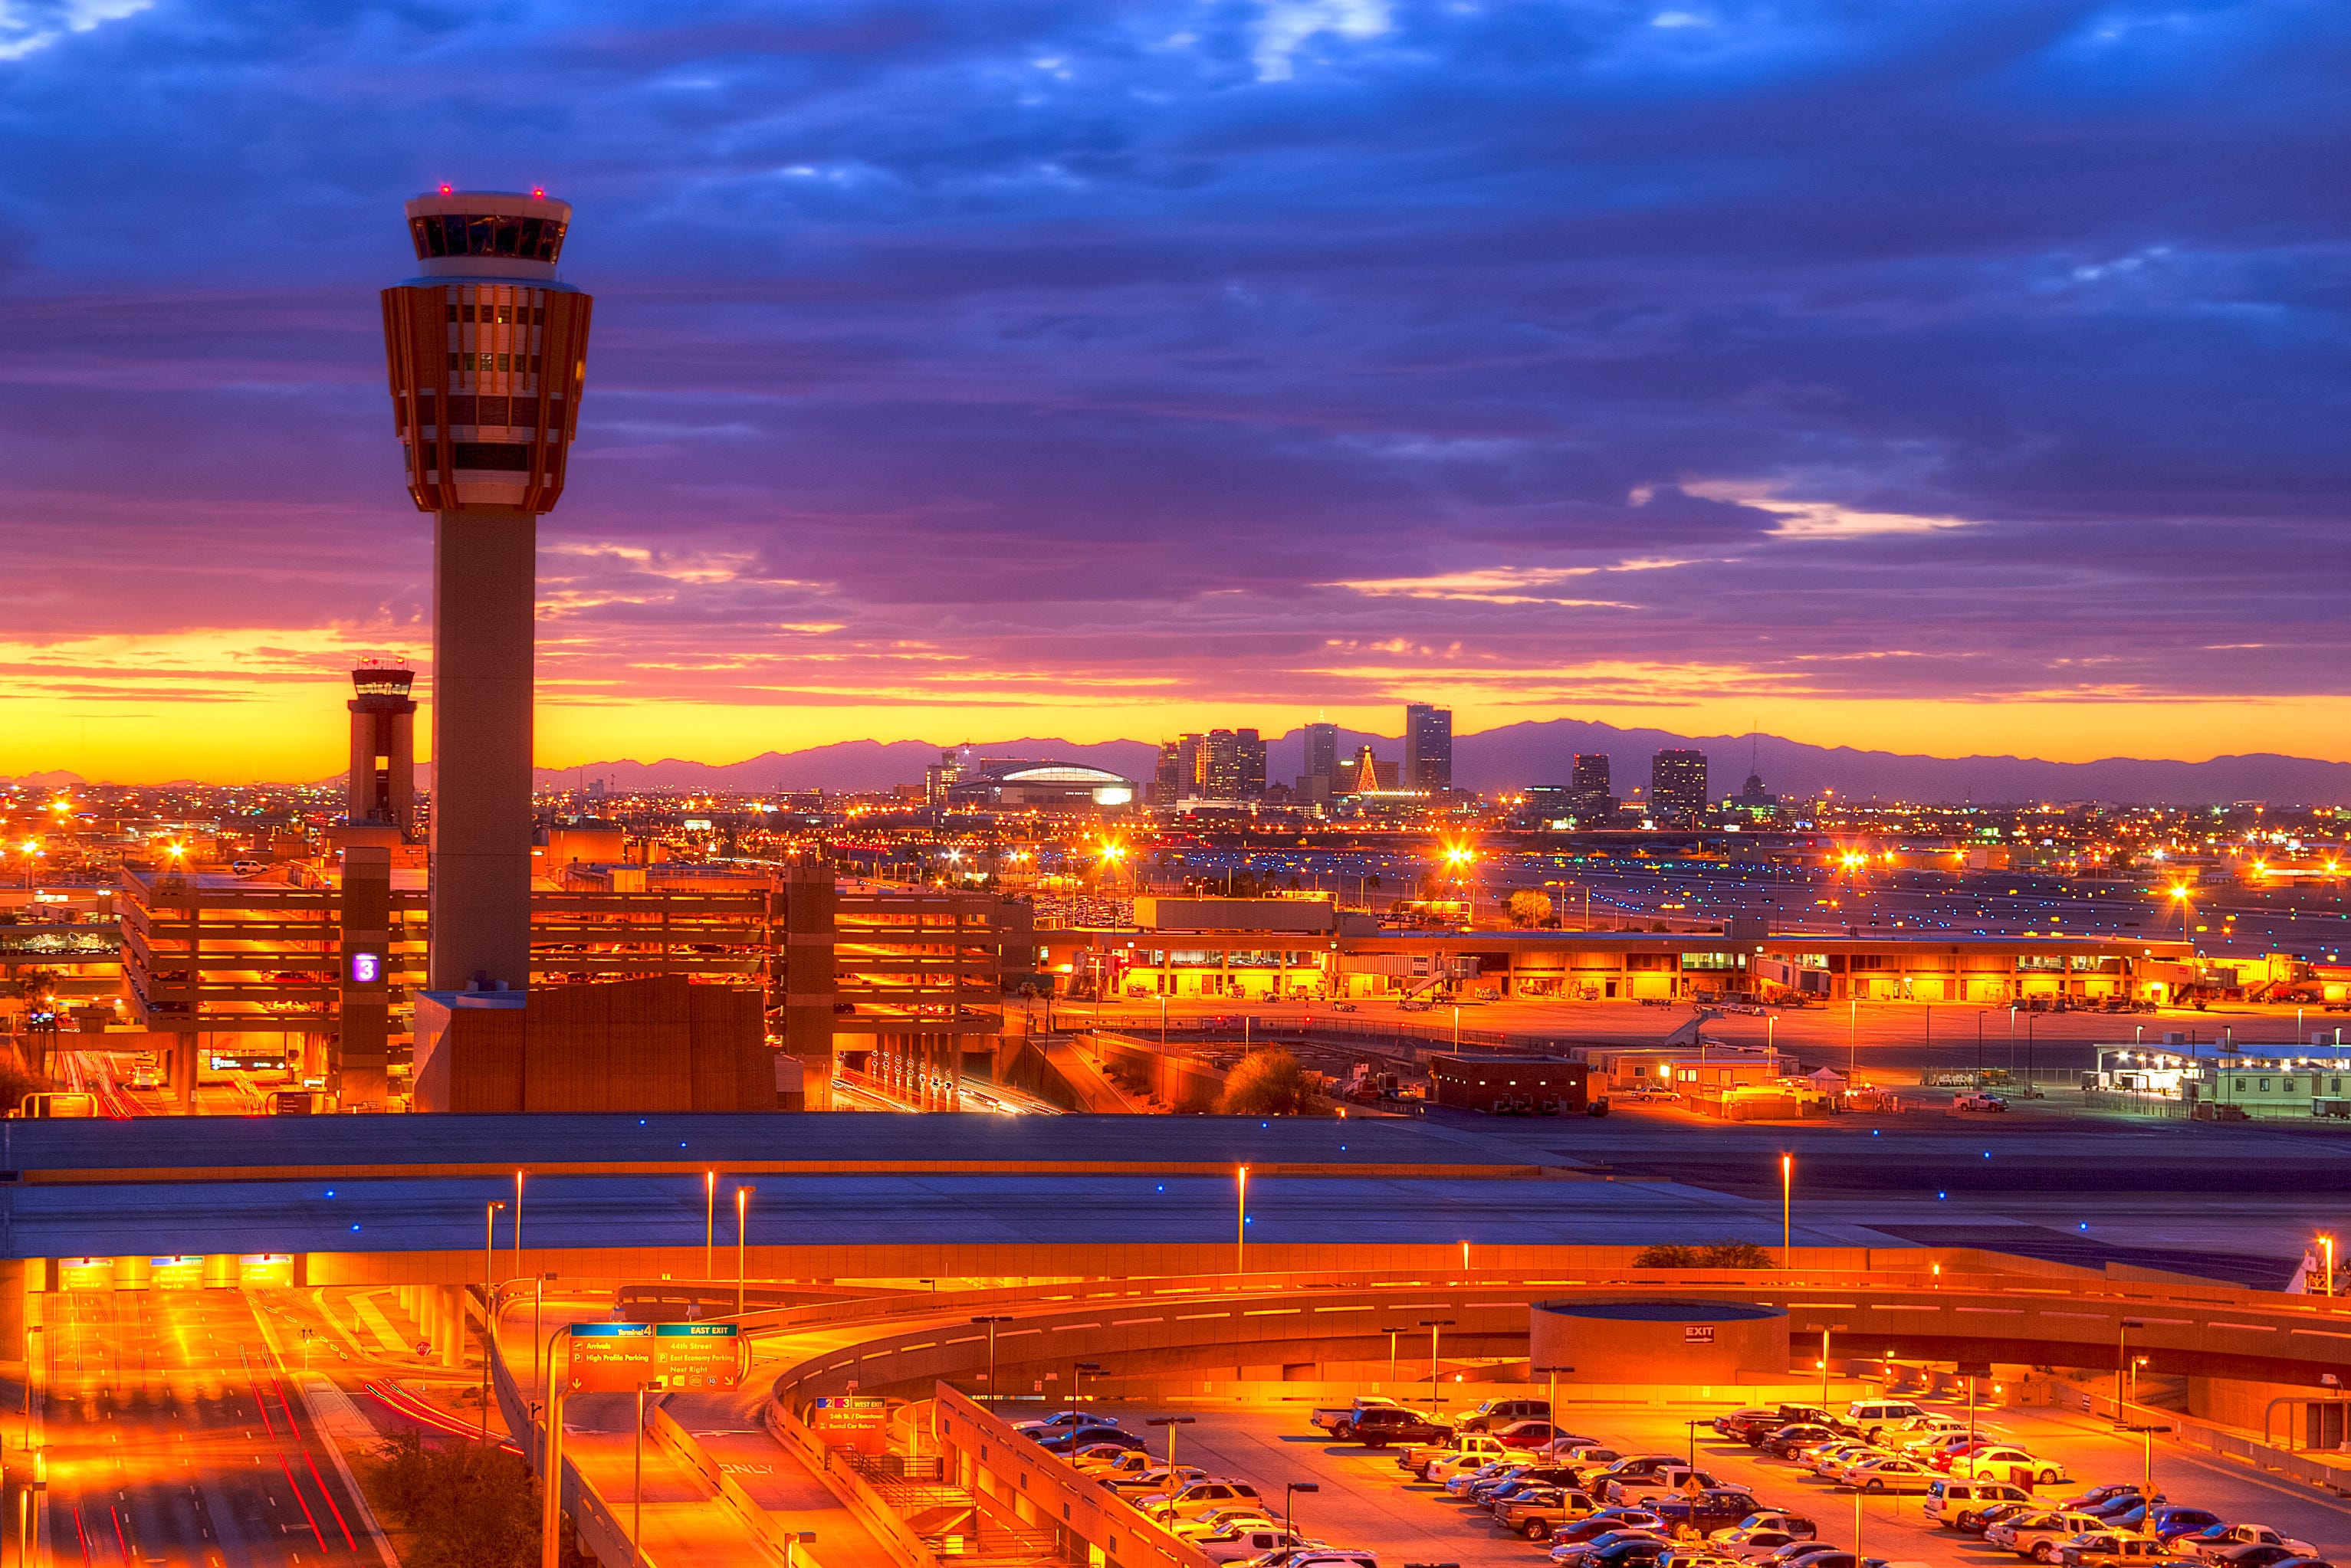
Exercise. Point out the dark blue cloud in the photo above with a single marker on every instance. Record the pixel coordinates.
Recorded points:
(1047, 330)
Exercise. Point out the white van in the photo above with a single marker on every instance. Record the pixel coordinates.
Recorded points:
(1869, 1414)
(1947, 1501)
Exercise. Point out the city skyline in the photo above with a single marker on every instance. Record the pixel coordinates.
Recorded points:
(1192, 395)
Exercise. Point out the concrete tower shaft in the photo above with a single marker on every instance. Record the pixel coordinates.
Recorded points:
(487, 354)
(382, 788)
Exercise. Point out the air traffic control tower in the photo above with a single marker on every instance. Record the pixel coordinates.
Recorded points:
(488, 353)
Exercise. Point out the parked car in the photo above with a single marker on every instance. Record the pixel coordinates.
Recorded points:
(1316, 1557)
(1889, 1472)
(1830, 1460)
(1706, 1512)
(1948, 1504)
(1486, 1497)
(1064, 1420)
(1930, 1425)
(1495, 1414)
(2170, 1520)
(1940, 1443)
(1103, 1458)
(1636, 1487)
(1797, 1554)
(1978, 1101)
(2217, 1540)
(1786, 1440)
(1153, 1477)
(2256, 1554)
(1339, 1420)
(1609, 1522)
(2123, 1548)
(1197, 1498)
(1219, 1521)
(1538, 1512)
(1073, 1438)
(1469, 1451)
(1531, 1434)
(1386, 1426)
(2038, 1533)
(2097, 1496)
(1869, 1417)
(2006, 1462)
(1249, 1540)
(1491, 1473)
(1750, 1531)
(1637, 1551)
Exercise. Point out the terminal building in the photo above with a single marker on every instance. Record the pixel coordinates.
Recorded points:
(1299, 947)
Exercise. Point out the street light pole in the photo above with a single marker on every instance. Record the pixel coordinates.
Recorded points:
(709, 1223)
(991, 1319)
(552, 1461)
(2121, 1357)
(517, 1271)
(1432, 1325)
(1240, 1226)
(1823, 1330)
(1787, 1212)
(489, 1308)
(1290, 1503)
(742, 1221)
(1392, 1331)
(637, 1487)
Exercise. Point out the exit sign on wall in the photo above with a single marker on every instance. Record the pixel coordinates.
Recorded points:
(1697, 1333)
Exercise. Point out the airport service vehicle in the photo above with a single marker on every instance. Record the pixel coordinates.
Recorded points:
(1198, 1499)
(1384, 1426)
(1889, 1472)
(2038, 1533)
(2215, 1540)
(2118, 1548)
(1951, 1503)
(2008, 1463)
(1706, 1512)
(1978, 1101)
(1244, 1541)
(1340, 1420)
(1495, 1414)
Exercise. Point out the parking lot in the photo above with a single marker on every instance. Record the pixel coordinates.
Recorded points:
(1366, 1501)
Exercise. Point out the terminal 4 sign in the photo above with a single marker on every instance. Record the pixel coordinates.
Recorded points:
(619, 1358)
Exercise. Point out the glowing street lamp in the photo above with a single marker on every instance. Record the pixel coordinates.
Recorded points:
(1787, 1202)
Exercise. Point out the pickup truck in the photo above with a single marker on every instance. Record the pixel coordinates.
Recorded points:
(1340, 1420)
(1540, 1511)
(1382, 1426)
(1639, 1487)
(2118, 1548)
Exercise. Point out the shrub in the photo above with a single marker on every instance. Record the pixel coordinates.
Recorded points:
(1268, 1082)
(463, 1504)
(1714, 1255)
(1529, 907)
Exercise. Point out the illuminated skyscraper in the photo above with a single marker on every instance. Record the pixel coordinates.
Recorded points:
(1678, 787)
(488, 353)
(1427, 748)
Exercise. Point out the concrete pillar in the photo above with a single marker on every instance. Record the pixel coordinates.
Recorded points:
(15, 1277)
(485, 578)
(355, 1067)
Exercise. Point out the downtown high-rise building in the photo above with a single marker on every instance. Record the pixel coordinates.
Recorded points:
(1427, 748)
(1222, 765)
(1322, 760)
(1678, 790)
(1592, 799)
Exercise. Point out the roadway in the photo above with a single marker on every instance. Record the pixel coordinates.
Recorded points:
(175, 1437)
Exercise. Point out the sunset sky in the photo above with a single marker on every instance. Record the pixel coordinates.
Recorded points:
(1934, 375)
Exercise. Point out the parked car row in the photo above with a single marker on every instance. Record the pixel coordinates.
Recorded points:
(1224, 1516)
(2115, 1526)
